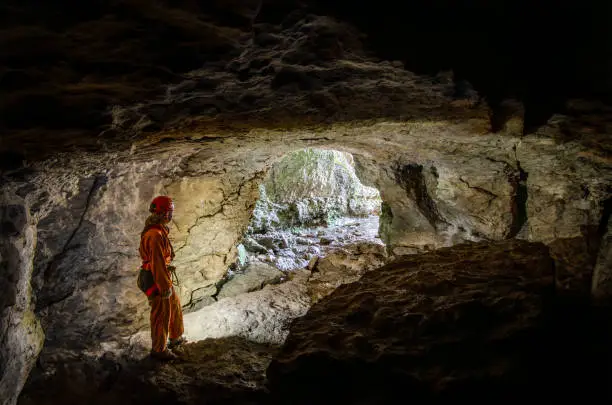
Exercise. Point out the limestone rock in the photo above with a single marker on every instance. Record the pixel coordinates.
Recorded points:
(313, 263)
(201, 297)
(253, 246)
(260, 316)
(562, 191)
(440, 325)
(21, 337)
(602, 273)
(312, 187)
(92, 301)
(254, 277)
(343, 266)
(574, 265)
(217, 371)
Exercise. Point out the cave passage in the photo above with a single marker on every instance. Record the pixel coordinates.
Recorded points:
(311, 205)
(310, 202)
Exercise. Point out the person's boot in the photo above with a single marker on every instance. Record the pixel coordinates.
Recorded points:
(173, 343)
(166, 355)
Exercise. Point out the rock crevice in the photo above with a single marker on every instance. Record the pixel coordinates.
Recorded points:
(44, 300)
(518, 179)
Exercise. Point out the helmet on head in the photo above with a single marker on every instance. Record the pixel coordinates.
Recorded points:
(161, 205)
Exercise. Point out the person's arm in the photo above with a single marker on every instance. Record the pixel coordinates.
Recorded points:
(158, 266)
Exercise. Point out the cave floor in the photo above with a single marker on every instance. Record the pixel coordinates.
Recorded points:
(226, 370)
(306, 242)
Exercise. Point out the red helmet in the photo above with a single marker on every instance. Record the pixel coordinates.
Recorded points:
(161, 205)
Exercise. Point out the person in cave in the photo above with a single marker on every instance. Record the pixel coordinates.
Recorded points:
(155, 280)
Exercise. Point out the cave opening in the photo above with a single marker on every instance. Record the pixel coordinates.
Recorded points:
(313, 212)
(310, 202)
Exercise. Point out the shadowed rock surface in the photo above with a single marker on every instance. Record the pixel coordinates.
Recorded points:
(477, 121)
(285, 63)
(470, 322)
(213, 371)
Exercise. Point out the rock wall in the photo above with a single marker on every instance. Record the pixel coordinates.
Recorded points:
(311, 187)
(460, 323)
(248, 84)
(434, 198)
(80, 239)
(440, 183)
(21, 337)
(602, 273)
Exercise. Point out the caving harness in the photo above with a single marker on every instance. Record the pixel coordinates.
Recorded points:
(146, 282)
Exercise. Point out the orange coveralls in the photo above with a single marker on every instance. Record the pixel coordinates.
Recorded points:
(166, 315)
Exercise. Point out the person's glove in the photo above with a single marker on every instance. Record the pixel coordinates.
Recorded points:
(166, 294)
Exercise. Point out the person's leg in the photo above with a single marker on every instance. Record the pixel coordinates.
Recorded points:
(176, 321)
(160, 323)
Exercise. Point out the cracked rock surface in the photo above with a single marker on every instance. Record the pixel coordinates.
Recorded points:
(85, 258)
(207, 99)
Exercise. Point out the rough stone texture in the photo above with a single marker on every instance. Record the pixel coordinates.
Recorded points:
(21, 337)
(294, 248)
(447, 324)
(602, 273)
(249, 83)
(262, 316)
(86, 221)
(98, 306)
(254, 277)
(564, 194)
(574, 265)
(343, 266)
(213, 371)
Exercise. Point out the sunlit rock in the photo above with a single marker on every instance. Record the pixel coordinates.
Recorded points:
(312, 187)
(343, 266)
(254, 277)
(112, 104)
(261, 316)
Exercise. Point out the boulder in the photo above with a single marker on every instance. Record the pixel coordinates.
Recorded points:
(254, 277)
(251, 245)
(343, 266)
(461, 323)
(262, 316)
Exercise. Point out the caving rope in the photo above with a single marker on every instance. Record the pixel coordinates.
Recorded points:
(172, 269)
(173, 276)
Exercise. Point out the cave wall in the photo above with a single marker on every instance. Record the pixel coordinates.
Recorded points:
(311, 187)
(441, 182)
(602, 273)
(21, 336)
(438, 192)
(293, 80)
(87, 255)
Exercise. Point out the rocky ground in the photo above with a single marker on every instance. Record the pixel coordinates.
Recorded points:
(284, 273)
(471, 322)
(213, 371)
(296, 248)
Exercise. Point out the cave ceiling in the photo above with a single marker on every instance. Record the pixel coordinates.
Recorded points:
(94, 75)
